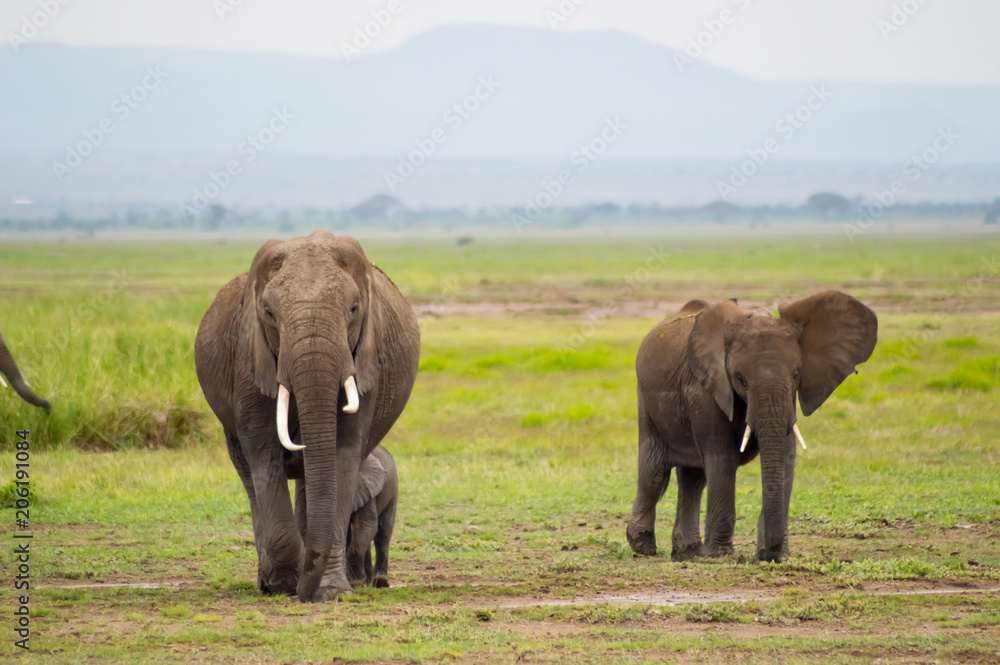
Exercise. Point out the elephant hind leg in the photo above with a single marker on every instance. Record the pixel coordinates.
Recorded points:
(654, 476)
(386, 523)
(360, 534)
(686, 538)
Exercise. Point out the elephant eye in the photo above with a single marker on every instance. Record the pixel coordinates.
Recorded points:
(354, 307)
(268, 313)
(795, 374)
(743, 381)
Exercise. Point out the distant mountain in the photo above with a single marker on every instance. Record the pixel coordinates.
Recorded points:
(542, 94)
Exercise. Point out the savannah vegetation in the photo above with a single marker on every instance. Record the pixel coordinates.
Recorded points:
(516, 460)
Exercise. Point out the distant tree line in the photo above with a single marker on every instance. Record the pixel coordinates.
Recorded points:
(387, 212)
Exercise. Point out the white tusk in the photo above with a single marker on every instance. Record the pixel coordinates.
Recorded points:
(351, 387)
(2, 382)
(283, 398)
(746, 437)
(798, 435)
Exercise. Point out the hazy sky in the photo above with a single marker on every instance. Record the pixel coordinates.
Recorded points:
(952, 41)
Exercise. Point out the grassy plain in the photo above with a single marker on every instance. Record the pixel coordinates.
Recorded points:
(517, 463)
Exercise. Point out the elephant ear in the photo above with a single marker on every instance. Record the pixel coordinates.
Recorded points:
(706, 351)
(370, 482)
(265, 365)
(838, 333)
(366, 352)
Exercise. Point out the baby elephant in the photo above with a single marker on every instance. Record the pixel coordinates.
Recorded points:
(717, 387)
(373, 521)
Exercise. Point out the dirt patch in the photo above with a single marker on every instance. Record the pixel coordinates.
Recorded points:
(672, 598)
(644, 598)
(646, 309)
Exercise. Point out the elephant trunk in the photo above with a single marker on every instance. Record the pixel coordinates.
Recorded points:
(9, 369)
(772, 430)
(316, 369)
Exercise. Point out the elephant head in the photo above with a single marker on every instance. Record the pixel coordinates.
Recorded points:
(311, 308)
(9, 369)
(755, 365)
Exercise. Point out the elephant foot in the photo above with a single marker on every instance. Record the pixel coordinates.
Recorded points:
(774, 555)
(356, 580)
(381, 581)
(641, 542)
(718, 550)
(685, 552)
(277, 584)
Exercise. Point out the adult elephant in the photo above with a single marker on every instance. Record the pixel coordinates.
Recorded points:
(314, 344)
(9, 369)
(718, 384)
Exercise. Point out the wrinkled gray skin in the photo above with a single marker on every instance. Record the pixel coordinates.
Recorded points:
(374, 522)
(9, 369)
(709, 371)
(309, 313)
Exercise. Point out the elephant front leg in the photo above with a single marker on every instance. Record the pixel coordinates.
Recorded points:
(720, 518)
(686, 538)
(279, 544)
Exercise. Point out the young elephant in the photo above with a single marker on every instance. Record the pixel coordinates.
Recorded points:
(717, 385)
(373, 521)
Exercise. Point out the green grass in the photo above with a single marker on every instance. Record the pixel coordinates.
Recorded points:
(516, 458)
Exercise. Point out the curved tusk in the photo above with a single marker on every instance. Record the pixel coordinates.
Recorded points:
(2, 382)
(746, 437)
(798, 435)
(283, 398)
(351, 387)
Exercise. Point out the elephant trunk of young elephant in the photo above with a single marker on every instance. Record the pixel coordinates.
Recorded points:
(9, 369)
(772, 426)
(318, 367)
